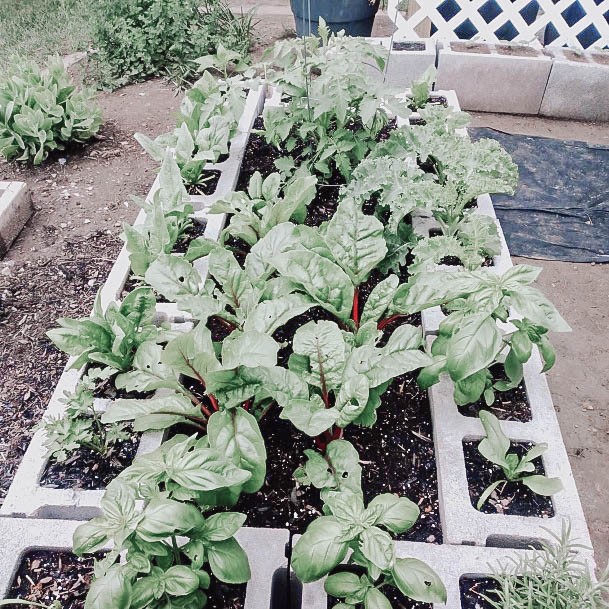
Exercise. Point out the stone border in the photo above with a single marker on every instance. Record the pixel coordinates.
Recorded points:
(493, 82)
(449, 562)
(15, 211)
(20, 536)
(578, 86)
(404, 66)
(461, 522)
(541, 81)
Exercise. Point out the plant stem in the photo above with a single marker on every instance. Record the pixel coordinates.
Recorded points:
(385, 322)
(355, 315)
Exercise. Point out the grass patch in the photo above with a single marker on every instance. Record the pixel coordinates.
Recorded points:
(35, 29)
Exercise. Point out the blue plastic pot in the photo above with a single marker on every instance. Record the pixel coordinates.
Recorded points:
(356, 17)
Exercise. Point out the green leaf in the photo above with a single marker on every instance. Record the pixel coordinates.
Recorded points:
(219, 527)
(379, 299)
(342, 584)
(378, 547)
(229, 562)
(547, 352)
(323, 343)
(473, 346)
(310, 416)
(398, 514)
(487, 493)
(356, 240)
(270, 315)
(173, 277)
(321, 278)
(111, 590)
(542, 485)
(319, 550)
(236, 434)
(418, 581)
(534, 306)
(495, 446)
(375, 599)
(250, 349)
(164, 517)
(180, 581)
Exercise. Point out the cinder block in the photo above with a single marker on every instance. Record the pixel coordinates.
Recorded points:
(578, 87)
(490, 81)
(461, 522)
(449, 562)
(15, 211)
(19, 536)
(26, 496)
(406, 61)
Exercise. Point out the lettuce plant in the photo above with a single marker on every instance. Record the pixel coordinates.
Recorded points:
(470, 339)
(41, 111)
(109, 337)
(495, 448)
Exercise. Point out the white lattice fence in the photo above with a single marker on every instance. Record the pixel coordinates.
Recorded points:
(575, 23)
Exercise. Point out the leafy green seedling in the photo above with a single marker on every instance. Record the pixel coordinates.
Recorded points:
(495, 449)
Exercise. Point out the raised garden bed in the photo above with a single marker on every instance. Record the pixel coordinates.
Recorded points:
(406, 458)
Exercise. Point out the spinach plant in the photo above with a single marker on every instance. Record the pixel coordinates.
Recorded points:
(80, 426)
(253, 214)
(495, 448)
(208, 120)
(167, 219)
(470, 339)
(109, 337)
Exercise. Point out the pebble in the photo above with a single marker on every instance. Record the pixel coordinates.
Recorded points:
(86, 221)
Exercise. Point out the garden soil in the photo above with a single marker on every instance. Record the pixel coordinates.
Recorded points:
(66, 250)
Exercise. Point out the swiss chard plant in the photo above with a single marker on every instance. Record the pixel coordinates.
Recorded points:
(111, 337)
(267, 203)
(474, 336)
(495, 447)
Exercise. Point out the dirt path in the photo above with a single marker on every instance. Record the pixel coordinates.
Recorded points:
(65, 251)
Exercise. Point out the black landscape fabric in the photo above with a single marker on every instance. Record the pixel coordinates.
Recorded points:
(561, 208)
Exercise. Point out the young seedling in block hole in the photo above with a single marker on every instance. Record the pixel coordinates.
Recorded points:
(495, 447)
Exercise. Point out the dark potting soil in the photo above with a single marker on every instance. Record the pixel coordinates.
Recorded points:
(417, 120)
(456, 261)
(399, 455)
(45, 576)
(472, 589)
(210, 178)
(385, 132)
(88, 469)
(225, 596)
(396, 598)
(408, 46)
(238, 247)
(512, 405)
(195, 230)
(510, 498)
(259, 156)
